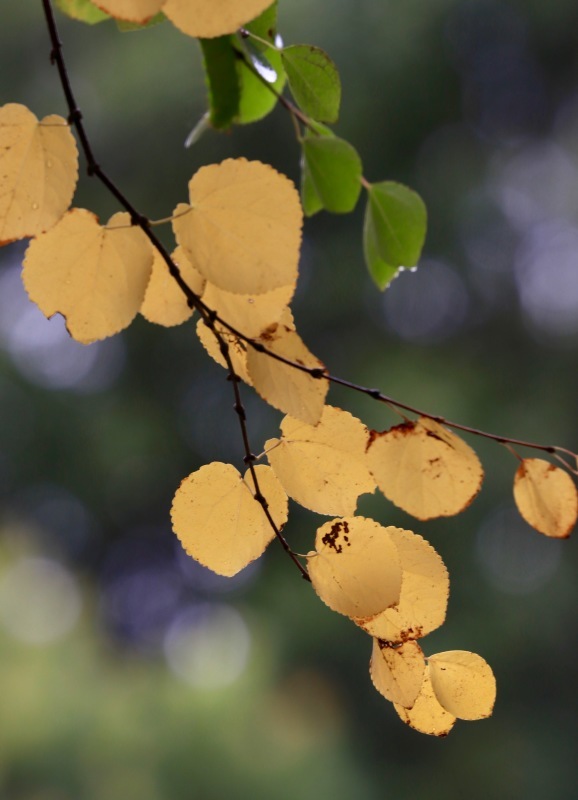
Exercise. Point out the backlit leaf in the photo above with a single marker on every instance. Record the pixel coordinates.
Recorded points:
(426, 715)
(164, 303)
(130, 10)
(334, 169)
(250, 314)
(243, 232)
(546, 497)
(463, 683)
(94, 276)
(83, 10)
(284, 387)
(313, 80)
(424, 592)
(219, 522)
(397, 672)
(322, 467)
(38, 171)
(394, 230)
(204, 20)
(237, 349)
(424, 468)
(355, 567)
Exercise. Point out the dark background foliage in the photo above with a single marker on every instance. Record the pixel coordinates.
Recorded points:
(128, 671)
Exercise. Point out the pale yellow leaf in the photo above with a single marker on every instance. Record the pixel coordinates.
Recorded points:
(463, 683)
(249, 314)
(426, 715)
(287, 388)
(243, 232)
(237, 349)
(219, 522)
(397, 672)
(94, 276)
(164, 302)
(424, 468)
(130, 10)
(323, 467)
(38, 171)
(424, 592)
(546, 497)
(355, 567)
(205, 20)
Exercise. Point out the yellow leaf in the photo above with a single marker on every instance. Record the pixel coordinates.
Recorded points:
(463, 683)
(130, 10)
(219, 522)
(286, 388)
(397, 672)
(237, 349)
(164, 302)
(243, 232)
(323, 467)
(425, 469)
(424, 592)
(249, 314)
(205, 20)
(546, 497)
(426, 715)
(38, 172)
(94, 276)
(355, 567)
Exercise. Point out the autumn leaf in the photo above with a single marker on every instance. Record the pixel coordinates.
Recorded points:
(546, 497)
(463, 683)
(237, 349)
(164, 302)
(322, 467)
(38, 171)
(397, 672)
(249, 314)
(205, 20)
(130, 10)
(95, 276)
(355, 567)
(424, 592)
(219, 522)
(424, 468)
(427, 715)
(289, 389)
(243, 232)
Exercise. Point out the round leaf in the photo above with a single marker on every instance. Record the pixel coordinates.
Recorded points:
(313, 80)
(426, 715)
(546, 497)
(334, 168)
(463, 683)
(204, 20)
(164, 303)
(397, 672)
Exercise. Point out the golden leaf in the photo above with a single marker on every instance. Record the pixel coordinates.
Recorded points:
(546, 497)
(424, 468)
(355, 567)
(219, 522)
(249, 314)
(424, 592)
(130, 10)
(323, 467)
(164, 302)
(397, 672)
(205, 20)
(38, 171)
(426, 715)
(291, 390)
(237, 349)
(94, 276)
(243, 232)
(463, 683)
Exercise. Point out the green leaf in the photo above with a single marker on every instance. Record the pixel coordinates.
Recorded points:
(82, 10)
(257, 99)
(394, 230)
(310, 200)
(125, 26)
(333, 167)
(219, 57)
(313, 80)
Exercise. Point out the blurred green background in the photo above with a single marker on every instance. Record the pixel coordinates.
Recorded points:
(128, 671)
